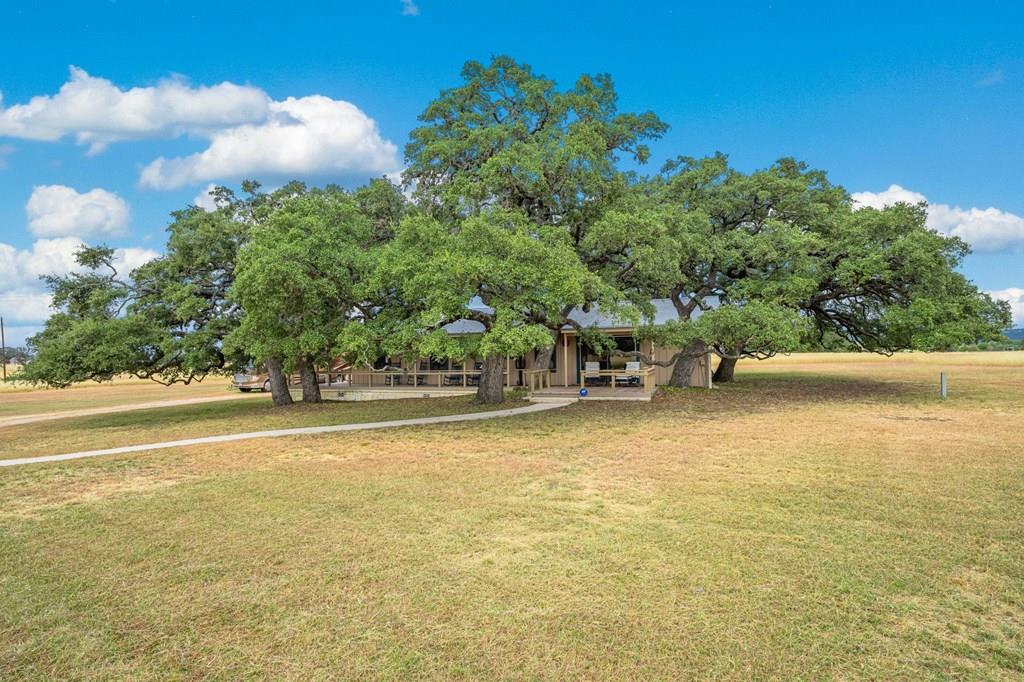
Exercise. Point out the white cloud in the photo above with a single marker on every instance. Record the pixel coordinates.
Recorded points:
(131, 257)
(410, 8)
(58, 211)
(307, 136)
(248, 132)
(205, 199)
(1015, 297)
(985, 229)
(25, 305)
(47, 257)
(894, 195)
(97, 112)
(23, 297)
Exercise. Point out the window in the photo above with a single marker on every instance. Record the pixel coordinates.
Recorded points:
(611, 359)
(623, 344)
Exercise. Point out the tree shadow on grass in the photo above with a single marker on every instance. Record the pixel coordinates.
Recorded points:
(784, 390)
(765, 394)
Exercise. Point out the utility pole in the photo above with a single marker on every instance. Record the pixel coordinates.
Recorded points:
(3, 348)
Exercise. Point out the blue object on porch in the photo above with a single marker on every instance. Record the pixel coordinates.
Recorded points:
(584, 393)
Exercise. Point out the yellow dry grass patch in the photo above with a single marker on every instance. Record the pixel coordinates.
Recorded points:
(18, 399)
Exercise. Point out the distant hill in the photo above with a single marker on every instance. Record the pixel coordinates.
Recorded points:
(1016, 334)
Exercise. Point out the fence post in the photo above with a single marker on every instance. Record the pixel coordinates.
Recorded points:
(943, 386)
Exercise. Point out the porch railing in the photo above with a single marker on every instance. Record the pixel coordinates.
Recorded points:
(413, 378)
(643, 377)
(537, 379)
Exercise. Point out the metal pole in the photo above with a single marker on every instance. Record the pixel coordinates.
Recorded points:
(3, 348)
(943, 385)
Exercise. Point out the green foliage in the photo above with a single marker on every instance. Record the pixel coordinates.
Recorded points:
(87, 338)
(1004, 344)
(768, 255)
(508, 136)
(510, 139)
(297, 277)
(495, 267)
(885, 282)
(167, 320)
(732, 251)
(384, 205)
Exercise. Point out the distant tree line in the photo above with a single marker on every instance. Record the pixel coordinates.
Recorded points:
(832, 343)
(18, 355)
(516, 200)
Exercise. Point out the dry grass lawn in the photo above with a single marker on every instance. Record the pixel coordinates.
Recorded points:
(208, 419)
(21, 399)
(824, 517)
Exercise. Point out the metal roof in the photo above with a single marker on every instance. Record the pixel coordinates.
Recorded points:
(664, 312)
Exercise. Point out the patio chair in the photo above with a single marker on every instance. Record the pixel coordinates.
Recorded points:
(633, 376)
(456, 379)
(592, 374)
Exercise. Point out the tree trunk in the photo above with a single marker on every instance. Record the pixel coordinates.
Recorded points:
(492, 381)
(543, 360)
(309, 381)
(682, 371)
(278, 382)
(726, 371)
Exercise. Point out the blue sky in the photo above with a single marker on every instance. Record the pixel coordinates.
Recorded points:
(925, 98)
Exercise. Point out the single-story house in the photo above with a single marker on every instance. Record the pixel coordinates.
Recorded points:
(572, 362)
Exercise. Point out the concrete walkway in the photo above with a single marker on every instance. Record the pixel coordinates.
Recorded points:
(113, 409)
(421, 421)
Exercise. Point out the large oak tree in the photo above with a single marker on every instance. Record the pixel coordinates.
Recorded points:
(297, 280)
(168, 320)
(509, 138)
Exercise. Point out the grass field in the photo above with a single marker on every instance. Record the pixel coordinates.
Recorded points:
(824, 517)
(20, 399)
(207, 419)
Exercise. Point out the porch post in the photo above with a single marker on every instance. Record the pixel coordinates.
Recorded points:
(508, 372)
(654, 356)
(565, 359)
